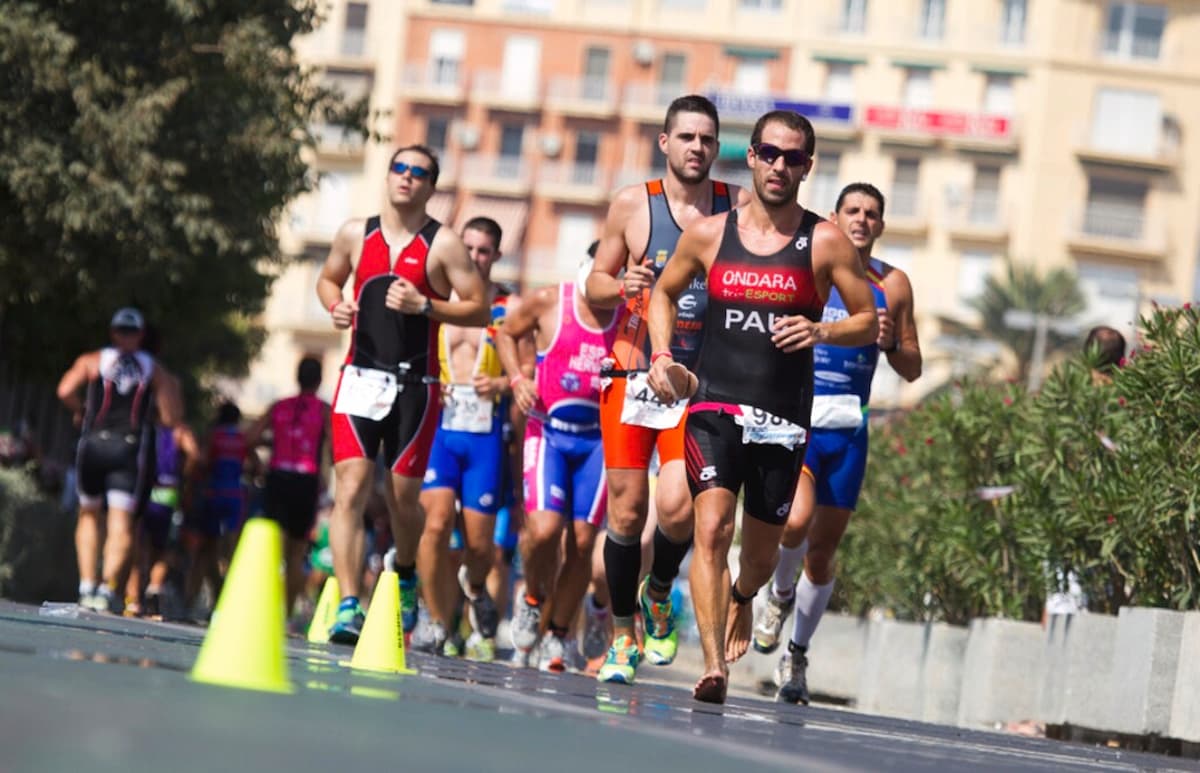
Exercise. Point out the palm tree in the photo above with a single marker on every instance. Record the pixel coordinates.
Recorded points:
(1022, 288)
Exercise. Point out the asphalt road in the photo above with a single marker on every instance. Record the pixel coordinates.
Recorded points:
(84, 692)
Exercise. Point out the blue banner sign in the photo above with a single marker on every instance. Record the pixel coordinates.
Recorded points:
(731, 104)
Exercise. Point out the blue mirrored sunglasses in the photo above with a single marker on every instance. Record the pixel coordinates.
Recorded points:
(417, 171)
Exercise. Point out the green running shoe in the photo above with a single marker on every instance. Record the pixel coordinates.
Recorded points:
(622, 661)
(662, 639)
(349, 622)
(408, 604)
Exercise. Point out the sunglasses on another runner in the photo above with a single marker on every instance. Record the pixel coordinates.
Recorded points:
(418, 172)
(768, 153)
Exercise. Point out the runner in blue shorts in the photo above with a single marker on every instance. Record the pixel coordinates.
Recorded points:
(836, 459)
(466, 467)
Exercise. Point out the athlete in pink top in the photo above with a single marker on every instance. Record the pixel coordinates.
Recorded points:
(298, 431)
(564, 460)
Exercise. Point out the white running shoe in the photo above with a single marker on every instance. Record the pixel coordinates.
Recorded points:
(527, 620)
(770, 622)
(553, 657)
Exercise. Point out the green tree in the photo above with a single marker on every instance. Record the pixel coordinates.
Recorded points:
(146, 153)
(1023, 288)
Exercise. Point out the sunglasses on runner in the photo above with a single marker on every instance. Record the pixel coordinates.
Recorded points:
(769, 153)
(418, 172)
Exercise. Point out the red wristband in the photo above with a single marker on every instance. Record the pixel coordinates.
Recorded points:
(517, 379)
(621, 292)
(334, 305)
(654, 357)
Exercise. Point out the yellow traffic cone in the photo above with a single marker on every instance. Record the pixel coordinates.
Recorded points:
(381, 644)
(325, 614)
(246, 642)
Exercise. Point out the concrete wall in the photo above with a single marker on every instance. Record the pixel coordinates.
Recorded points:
(1133, 675)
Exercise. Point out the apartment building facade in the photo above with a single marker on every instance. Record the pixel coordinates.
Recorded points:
(1053, 132)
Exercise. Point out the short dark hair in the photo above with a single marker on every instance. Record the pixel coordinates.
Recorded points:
(792, 120)
(1107, 344)
(864, 188)
(487, 226)
(308, 373)
(228, 413)
(691, 103)
(428, 152)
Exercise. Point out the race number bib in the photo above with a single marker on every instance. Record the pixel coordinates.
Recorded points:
(837, 412)
(367, 393)
(466, 411)
(642, 407)
(758, 426)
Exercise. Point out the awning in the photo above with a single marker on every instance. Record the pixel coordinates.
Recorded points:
(733, 145)
(839, 59)
(510, 214)
(750, 52)
(917, 64)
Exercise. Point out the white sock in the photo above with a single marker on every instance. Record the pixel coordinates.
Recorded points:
(790, 560)
(811, 601)
(86, 588)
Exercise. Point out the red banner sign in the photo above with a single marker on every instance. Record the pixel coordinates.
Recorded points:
(938, 122)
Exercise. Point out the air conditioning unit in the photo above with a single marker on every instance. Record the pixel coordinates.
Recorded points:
(643, 53)
(468, 136)
(551, 145)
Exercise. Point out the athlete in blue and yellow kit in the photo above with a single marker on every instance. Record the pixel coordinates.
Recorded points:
(836, 459)
(467, 464)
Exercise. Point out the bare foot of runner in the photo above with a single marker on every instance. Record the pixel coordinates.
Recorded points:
(711, 688)
(738, 631)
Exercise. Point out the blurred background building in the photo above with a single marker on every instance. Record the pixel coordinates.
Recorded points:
(1052, 132)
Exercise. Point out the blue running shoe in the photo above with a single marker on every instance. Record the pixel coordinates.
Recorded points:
(408, 604)
(349, 622)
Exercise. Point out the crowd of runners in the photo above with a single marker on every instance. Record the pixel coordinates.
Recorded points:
(549, 459)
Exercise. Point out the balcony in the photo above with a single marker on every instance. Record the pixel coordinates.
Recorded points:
(1120, 230)
(999, 38)
(1160, 155)
(982, 220)
(1124, 47)
(492, 89)
(496, 175)
(441, 83)
(572, 182)
(625, 177)
(337, 143)
(905, 211)
(648, 102)
(547, 267)
(585, 97)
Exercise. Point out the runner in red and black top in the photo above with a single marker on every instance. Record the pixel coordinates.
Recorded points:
(405, 267)
(770, 265)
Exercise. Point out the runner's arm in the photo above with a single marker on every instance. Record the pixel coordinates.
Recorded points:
(904, 351)
(73, 380)
(836, 263)
(338, 266)
(168, 396)
(603, 289)
(470, 308)
(515, 340)
(258, 428)
(661, 316)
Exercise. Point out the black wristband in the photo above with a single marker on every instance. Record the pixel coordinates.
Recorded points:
(895, 347)
(428, 307)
